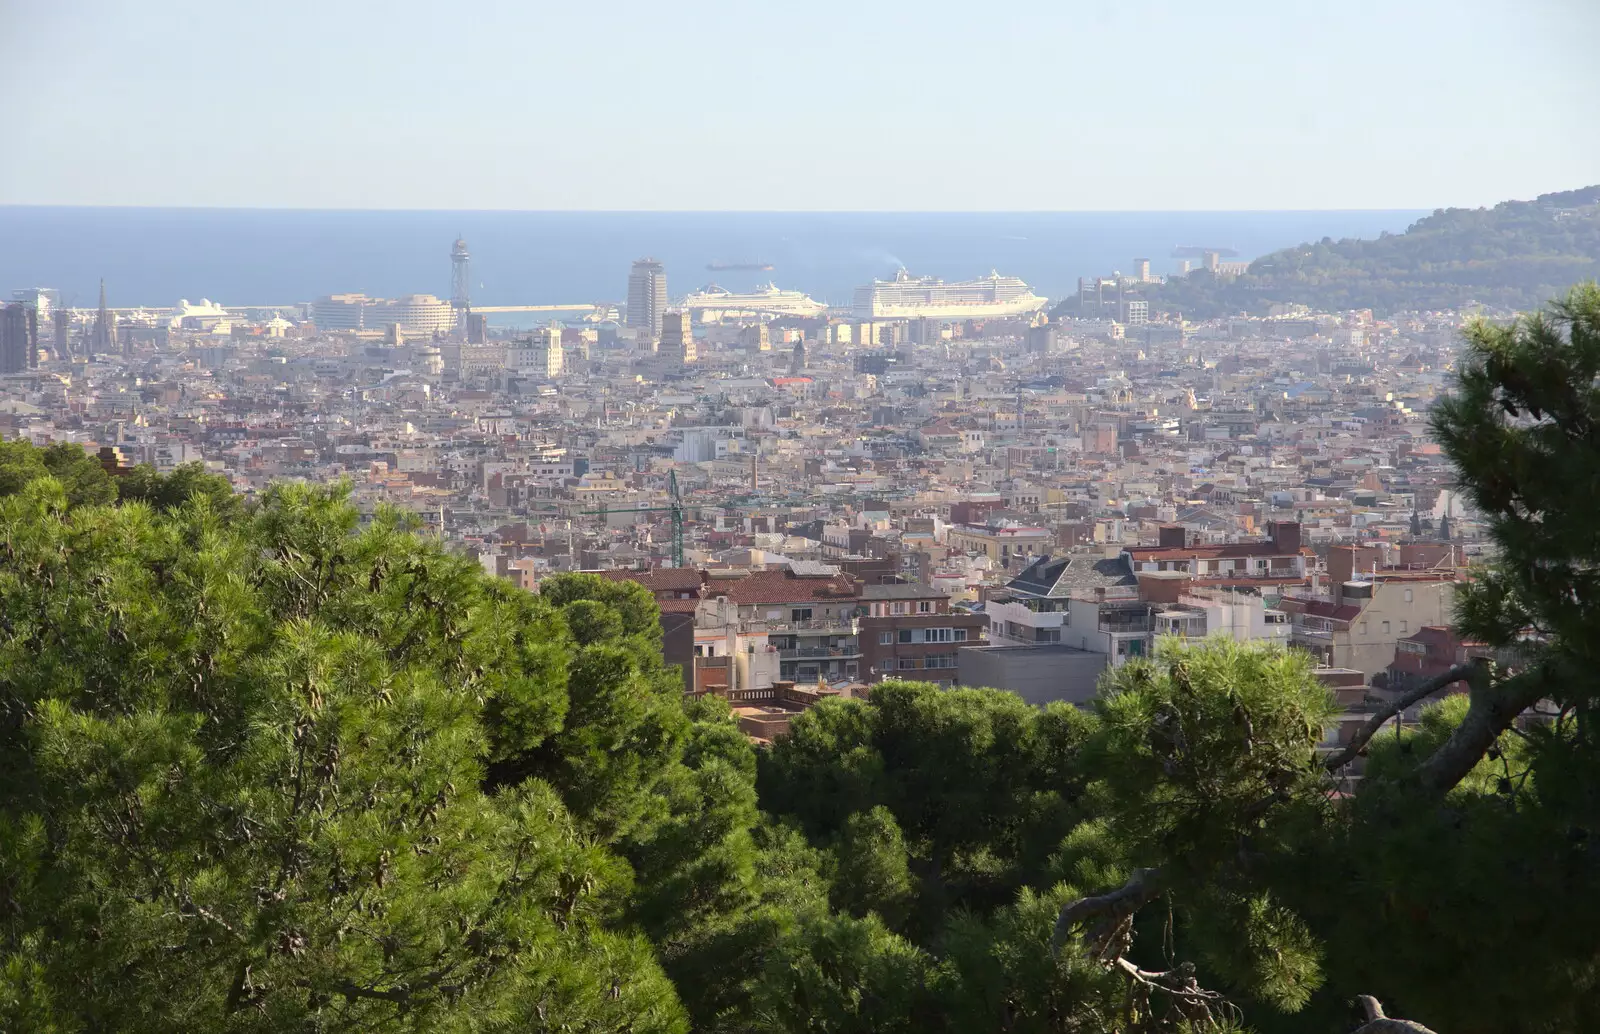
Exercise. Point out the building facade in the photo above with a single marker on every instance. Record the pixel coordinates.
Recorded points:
(677, 337)
(19, 337)
(421, 314)
(910, 632)
(647, 297)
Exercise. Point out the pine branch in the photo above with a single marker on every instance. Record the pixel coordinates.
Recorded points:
(1378, 1023)
(1476, 669)
(1140, 890)
(1491, 711)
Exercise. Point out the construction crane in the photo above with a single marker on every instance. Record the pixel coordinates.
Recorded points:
(674, 506)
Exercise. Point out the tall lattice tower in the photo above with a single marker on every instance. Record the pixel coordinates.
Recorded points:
(460, 276)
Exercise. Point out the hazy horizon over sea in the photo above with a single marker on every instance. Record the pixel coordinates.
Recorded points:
(155, 256)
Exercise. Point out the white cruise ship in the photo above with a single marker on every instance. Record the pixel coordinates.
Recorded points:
(915, 297)
(712, 303)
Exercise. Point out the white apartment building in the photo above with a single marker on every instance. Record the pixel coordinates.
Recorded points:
(539, 355)
(421, 314)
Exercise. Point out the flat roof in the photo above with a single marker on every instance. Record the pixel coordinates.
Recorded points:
(902, 592)
(1026, 647)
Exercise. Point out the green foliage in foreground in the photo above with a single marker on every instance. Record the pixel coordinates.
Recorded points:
(268, 768)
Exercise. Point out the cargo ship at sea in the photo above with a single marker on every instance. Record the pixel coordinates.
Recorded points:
(917, 297)
(712, 303)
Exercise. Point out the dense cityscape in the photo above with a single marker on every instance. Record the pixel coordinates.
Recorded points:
(940, 479)
(705, 518)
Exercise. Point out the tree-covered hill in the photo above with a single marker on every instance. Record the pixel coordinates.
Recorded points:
(1516, 255)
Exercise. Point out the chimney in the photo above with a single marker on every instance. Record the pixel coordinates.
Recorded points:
(1285, 536)
(1172, 535)
(1163, 586)
(1341, 566)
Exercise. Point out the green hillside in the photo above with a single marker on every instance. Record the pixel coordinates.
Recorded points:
(1516, 255)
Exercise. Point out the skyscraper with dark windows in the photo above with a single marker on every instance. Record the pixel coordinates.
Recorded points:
(19, 337)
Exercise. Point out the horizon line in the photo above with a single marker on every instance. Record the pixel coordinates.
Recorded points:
(720, 211)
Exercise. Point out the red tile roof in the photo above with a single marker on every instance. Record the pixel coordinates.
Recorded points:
(660, 579)
(782, 587)
(1321, 609)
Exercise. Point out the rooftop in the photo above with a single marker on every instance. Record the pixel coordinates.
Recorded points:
(902, 592)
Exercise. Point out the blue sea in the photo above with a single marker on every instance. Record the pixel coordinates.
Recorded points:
(154, 256)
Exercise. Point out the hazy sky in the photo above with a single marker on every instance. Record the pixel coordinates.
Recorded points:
(754, 104)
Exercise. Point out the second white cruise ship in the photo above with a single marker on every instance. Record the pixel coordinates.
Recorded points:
(712, 303)
(915, 297)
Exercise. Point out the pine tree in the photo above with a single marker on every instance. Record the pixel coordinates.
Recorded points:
(242, 759)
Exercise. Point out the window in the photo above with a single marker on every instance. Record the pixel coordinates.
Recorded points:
(800, 614)
(959, 635)
(905, 635)
(1363, 628)
(1386, 628)
(1403, 628)
(899, 608)
(885, 638)
(924, 606)
(888, 664)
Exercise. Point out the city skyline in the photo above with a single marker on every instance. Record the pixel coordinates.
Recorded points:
(1051, 108)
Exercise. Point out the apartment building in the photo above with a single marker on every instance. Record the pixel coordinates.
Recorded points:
(1004, 542)
(910, 632)
(1279, 561)
(1068, 618)
(807, 611)
(1357, 622)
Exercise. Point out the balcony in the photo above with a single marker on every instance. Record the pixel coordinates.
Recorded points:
(1126, 626)
(808, 653)
(832, 626)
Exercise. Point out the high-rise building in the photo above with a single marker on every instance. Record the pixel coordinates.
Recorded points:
(797, 359)
(19, 337)
(677, 337)
(63, 342)
(42, 304)
(1141, 270)
(647, 296)
(44, 300)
